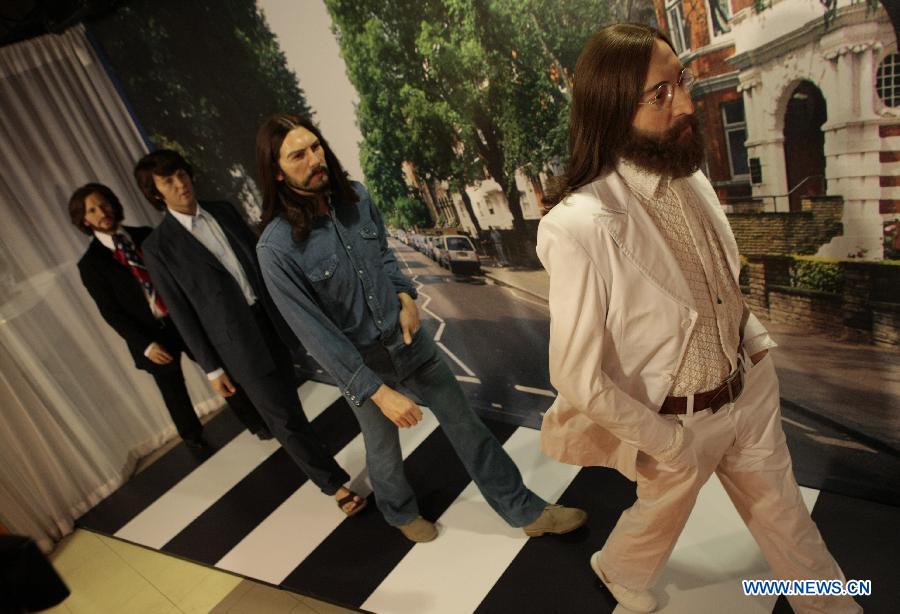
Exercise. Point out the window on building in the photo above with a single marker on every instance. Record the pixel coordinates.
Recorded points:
(735, 126)
(887, 80)
(719, 12)
(495, 200)
(678, 29)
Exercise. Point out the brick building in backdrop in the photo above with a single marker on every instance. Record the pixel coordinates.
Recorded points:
(792, 107)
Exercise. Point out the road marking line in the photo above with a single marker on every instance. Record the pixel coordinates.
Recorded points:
(497, 405)
(441, 325)
(797, 424)
(461, 364)
(540, 391)
(842, 443)
(466, 378)
(525, 299)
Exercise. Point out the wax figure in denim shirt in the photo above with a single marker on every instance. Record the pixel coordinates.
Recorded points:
(326, 261)
(113, 272)
(202, 259)
(662, 371)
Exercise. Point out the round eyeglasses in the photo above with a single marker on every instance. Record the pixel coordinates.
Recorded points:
(665, 92)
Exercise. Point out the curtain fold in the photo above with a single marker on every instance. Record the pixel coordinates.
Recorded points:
(75, 412)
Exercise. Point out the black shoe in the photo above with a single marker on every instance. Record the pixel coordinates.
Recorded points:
(198, 443)
(263, 433)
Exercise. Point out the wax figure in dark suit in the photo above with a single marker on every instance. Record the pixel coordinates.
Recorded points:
(203, 259)
(134, 310)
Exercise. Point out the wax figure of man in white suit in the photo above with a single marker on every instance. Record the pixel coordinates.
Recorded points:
(662, 372)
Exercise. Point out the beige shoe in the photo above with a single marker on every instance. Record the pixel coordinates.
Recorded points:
(637, 601)
(557, 520)
(419, 530)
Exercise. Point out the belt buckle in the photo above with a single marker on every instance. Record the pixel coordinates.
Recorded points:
(727, 386)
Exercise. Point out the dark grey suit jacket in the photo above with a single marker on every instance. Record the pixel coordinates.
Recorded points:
(206, 302)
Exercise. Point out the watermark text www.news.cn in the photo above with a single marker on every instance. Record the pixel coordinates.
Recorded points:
(791, 588)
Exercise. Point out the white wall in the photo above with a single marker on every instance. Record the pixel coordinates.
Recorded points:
(303, 30)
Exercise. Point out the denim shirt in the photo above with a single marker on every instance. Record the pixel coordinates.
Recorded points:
(338, 289)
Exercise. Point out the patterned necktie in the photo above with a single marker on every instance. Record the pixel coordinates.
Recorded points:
(128, 254)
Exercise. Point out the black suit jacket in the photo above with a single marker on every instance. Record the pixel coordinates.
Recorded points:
(205, 300)
(121, 299)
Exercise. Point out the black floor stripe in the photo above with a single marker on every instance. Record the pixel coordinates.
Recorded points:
(864, 539)
(863, 474)
(141, 490)
(225, 523)
(365, 547)
(552, 574)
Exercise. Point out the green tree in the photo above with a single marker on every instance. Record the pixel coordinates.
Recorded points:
(200, 76)
(463, 89)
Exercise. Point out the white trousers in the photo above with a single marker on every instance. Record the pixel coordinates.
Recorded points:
(746, 447)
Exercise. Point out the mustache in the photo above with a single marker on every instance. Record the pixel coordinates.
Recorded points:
(670, 153)
(323, 168)
(675, 130)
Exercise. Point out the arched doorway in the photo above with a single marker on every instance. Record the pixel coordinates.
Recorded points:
(804, 143)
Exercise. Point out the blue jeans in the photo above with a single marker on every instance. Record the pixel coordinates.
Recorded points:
(490, 467)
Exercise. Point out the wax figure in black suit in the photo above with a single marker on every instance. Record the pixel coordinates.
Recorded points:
(133, 312)
(203, 259)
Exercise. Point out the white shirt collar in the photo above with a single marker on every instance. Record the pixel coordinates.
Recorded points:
(186, 220)
(644, 183)
(107, 239)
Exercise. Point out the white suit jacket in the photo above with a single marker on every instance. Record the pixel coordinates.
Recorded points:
(621, 313)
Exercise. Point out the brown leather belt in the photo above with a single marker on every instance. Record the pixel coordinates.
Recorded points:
(714, 399)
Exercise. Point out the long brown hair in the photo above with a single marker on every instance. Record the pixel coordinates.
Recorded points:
(278, 198)
(77, 206)
(609, 78)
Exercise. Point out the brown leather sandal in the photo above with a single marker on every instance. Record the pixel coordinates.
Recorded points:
(360, 504)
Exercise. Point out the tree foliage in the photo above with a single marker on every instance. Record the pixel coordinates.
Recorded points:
(200, 76)
(463, 89)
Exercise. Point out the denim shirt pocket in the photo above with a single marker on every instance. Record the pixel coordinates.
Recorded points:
(369, 231)
(323, 270)
(368, 243)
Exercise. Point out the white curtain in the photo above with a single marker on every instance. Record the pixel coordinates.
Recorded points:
(75, 412)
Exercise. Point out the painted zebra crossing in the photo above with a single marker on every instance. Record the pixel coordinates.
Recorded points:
(247, 508)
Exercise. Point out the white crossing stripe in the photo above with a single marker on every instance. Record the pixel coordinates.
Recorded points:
(317, 397)
(166, 517)
(290, 533)
(454, 573)
(713, 554)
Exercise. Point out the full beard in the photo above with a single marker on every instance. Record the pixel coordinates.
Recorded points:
(673, 154)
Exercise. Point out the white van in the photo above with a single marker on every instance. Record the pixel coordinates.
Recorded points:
(457, 253)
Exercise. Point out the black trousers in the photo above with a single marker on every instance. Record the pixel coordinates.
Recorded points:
(275, 396)
(170, 381)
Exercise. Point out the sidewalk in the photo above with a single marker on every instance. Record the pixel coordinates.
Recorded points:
(853, 385)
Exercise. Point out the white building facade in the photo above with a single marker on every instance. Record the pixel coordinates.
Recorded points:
(850, 72)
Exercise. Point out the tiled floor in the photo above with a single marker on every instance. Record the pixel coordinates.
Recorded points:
(108, 575)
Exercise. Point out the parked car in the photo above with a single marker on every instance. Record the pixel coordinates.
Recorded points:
(429, 246)
(416, 241)
(457, 253)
